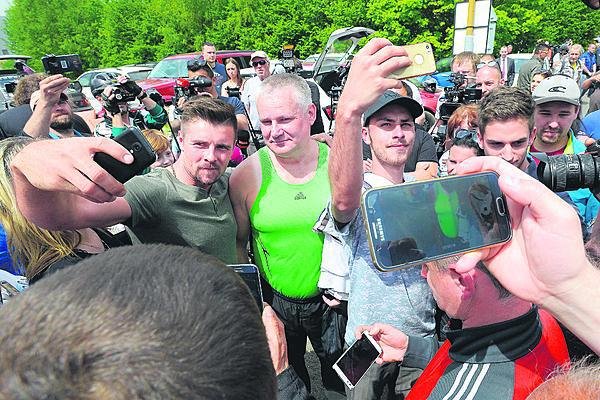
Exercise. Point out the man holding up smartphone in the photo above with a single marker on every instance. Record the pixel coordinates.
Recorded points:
(186, 204)
(385, 121)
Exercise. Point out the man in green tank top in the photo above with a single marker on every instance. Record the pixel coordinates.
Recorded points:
(277, 195)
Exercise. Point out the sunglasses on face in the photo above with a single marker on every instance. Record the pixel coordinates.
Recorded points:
(257, 63)
(196, 64)
(466, 133)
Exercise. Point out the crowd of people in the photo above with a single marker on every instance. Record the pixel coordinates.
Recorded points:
(130, 294)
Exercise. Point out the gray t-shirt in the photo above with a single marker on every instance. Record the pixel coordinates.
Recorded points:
(165, 210)
(400, 298)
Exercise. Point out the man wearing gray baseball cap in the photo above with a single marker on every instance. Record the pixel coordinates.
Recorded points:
(556, 107)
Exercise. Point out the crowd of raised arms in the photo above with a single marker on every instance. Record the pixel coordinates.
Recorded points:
(126, 292)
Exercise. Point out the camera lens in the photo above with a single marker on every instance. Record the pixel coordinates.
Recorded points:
(569, 172)
(136, 147)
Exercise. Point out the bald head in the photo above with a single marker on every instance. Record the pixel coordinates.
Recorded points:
(488, 78)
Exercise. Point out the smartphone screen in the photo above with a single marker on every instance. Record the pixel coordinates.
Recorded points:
(356, 360)
(414, 223)
(250, 275)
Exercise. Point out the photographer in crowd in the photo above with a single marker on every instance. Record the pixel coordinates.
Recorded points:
(14, 119)
(118, 111)
(52, 112)
(203, 82)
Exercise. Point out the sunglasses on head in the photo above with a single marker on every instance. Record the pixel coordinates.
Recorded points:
(257, 63)
(489, 64)
(196, 64)
(466, 133)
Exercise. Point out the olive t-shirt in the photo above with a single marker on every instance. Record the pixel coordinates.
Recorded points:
(165, 210)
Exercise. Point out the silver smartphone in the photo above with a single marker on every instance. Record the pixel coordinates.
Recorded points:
(414, 223)
(357, 359)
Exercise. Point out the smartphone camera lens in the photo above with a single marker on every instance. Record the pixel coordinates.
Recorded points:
(500, 206)
(136, 147)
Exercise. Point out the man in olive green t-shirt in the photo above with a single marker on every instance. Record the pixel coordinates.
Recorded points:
(187, 204)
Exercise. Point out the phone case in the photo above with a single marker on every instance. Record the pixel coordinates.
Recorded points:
(375, 236)
(423, 62)
(143, 155)
(61, 64)
(341, 373)
(251, 276)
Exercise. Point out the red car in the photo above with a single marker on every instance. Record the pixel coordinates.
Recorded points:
(163, 75)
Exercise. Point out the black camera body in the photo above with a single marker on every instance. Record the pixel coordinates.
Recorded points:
(458, 95)
(186, 88)
(122, 95)
(233, 92)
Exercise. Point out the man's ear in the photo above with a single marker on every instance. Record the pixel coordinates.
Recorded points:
(532, 135)
(365, 135)
(465, 281)
(312, 112)
(480, 138)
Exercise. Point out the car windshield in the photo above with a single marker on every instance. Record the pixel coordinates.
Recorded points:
(173, 68)
(138, 75)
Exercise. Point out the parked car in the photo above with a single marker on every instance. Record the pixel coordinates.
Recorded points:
(163, 75)
(8, 75)
(79, 101)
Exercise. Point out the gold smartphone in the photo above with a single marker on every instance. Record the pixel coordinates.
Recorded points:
(423, 62)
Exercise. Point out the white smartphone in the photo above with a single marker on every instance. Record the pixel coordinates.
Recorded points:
(357, 359)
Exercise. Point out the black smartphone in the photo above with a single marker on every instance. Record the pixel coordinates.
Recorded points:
(62, 64)
(143, 155)
(251, 276)
(357, 359)
(414, 223)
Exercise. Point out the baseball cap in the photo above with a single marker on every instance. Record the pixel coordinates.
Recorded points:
(259, 54)
(557, 88)
(389, 97)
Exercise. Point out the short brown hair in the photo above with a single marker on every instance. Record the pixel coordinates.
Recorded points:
(137, 322)
(208, 109)
(506, 104)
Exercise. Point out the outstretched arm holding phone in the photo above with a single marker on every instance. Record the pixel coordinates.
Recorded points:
(545, 262)
(367, 80)
(58, 185)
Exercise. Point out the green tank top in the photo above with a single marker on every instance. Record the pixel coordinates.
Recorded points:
(286, 249)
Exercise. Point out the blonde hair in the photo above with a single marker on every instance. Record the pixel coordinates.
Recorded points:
(157, 140)
(31, 247)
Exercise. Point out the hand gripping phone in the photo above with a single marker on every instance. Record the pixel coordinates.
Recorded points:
(414, 223)
(143, 155)
(251, 276)
(357, 359)
(423, 62)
